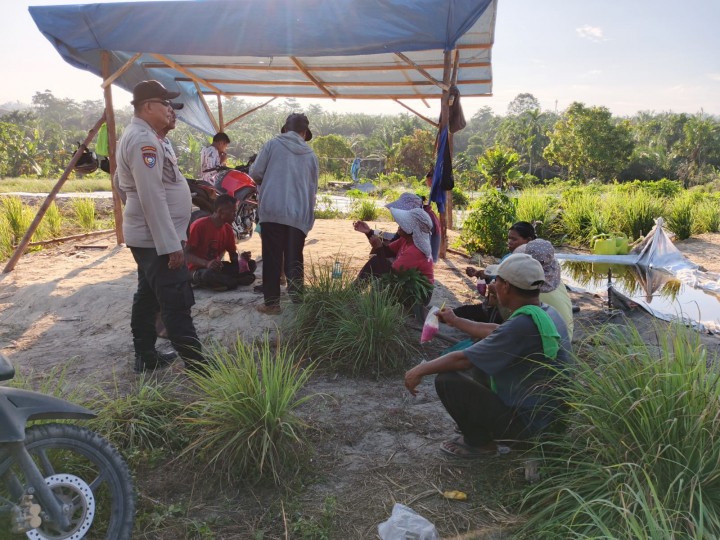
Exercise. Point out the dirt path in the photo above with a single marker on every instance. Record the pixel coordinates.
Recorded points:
(374, 444)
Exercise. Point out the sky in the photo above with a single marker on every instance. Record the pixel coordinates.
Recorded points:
(626, 55)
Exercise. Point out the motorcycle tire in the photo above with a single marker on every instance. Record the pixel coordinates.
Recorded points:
(66, 451)
(245, 211)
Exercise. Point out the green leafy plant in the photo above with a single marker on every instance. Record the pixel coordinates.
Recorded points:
(539, 208)
(459, 197)
(17, 216)
(358, 330)
(144, 418)
(639, 457)
(410, 287)
(578, 208)
(485, 228)
(365, 210)
(242, 417)
(637, 212)
(84, 210)
(707, 216)
(680, 216)
(53, 220)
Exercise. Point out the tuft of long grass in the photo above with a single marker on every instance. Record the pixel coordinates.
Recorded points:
(17, 215)
(641, 452)
(637, 211)
(540, 208)
(242, 416)
(84, 210)
(578, 209)
(354, 329)
(145, 418)
(364, 209)
(707, 216)
(53, 221)
(680, 216)
(6, 238)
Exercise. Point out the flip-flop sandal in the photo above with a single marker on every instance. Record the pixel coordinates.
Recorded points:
(457, 448)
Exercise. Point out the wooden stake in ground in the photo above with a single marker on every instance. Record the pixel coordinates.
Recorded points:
(22, 246)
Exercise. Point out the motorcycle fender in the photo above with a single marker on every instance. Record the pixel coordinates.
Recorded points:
(235, 181)
(17, 407)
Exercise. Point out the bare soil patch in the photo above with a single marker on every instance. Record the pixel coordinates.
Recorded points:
(373, 443)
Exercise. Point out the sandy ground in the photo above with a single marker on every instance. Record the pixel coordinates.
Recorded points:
(374, 444)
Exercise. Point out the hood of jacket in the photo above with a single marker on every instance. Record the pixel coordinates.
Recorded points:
(294, 143)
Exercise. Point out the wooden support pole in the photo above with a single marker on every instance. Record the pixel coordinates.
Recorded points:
(108, 80)
(184, 71)
(112, 147)
(50, 198)
(243, 115)
(442, 84)
(434, 124)
(312, 77)
(211, 116)
(221, 121)
(444, 120)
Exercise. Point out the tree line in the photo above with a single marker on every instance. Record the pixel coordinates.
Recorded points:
(583, 142)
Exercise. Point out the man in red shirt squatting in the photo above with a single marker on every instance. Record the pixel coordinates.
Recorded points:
(209, 239)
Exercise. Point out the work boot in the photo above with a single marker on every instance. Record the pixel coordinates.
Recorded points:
(154, 360)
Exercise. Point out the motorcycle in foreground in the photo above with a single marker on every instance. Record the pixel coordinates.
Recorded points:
(58, 480)
(236, 183)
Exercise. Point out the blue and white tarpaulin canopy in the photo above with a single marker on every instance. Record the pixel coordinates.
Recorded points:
(337, 49)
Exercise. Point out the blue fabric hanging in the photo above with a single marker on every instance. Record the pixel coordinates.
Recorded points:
(437, 193)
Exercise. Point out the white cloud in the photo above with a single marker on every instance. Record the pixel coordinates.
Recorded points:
(593, 33)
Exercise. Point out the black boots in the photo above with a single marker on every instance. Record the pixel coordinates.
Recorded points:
(154, 360)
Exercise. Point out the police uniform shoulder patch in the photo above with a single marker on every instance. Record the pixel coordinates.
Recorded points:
(149, 155)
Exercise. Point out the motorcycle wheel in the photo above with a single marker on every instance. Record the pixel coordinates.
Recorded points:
(82, 469)
(246, 215)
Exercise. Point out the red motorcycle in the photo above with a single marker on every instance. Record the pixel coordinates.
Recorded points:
(236, 183)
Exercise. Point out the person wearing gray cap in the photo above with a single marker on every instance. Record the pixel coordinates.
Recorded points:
(155, 220)
(287, 171)
(513, 397)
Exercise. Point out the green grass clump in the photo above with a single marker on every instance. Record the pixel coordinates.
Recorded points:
(637, 211)
(17, 216)
(539, 208)
(680, 216)
(53, 221)
(143, 419)
(242, 417)
(365, 210)
(707, 216)
(640, 455)
(84, 210)
(357, 330)
(578, 209)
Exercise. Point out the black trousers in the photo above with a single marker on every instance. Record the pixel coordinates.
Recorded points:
(228, 276)
(479, 413)
(479, 313)
(282, 248)
(169, 292)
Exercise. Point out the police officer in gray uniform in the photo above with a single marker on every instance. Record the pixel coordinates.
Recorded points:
(155, 221)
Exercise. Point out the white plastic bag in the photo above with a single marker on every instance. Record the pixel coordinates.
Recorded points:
(431, 326)
(406, 524)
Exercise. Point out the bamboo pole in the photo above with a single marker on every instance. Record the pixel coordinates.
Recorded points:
(444, 118)
(112, 147)
(22, 246)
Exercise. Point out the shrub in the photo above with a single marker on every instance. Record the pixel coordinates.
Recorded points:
(459, 197)
(324, 209)
(84, 210)
(355, 330)
(356, 194)
(243, 415)
(485, 228)
(639, 457)
(410, 287)
(679, 216)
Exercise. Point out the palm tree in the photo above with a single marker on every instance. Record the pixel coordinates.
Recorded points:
(498, 166)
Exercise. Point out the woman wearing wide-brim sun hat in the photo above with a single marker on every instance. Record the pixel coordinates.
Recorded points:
(410, 251)
(553, 292)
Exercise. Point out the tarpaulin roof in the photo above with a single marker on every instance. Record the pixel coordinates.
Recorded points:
(338, 49)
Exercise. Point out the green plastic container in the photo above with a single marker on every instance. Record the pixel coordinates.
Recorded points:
(603, 244)
(622, 246)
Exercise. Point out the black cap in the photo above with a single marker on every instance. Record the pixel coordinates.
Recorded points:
(298, 122)
(151, 90)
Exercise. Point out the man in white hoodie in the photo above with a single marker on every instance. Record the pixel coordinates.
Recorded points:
(287, 170)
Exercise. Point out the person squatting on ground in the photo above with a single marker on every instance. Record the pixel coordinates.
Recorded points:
(512, 394)
(212, 157)
(209, 239)
(155, 222)
(287, 171)
(410, 251)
